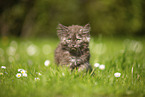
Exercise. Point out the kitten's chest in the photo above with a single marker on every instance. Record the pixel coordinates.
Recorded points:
(76, 53)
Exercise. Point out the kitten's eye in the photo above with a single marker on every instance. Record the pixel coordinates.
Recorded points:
(78, 39)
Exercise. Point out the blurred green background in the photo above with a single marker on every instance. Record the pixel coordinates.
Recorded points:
(35, 18)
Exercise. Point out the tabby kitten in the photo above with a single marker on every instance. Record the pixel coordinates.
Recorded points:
(73, 49)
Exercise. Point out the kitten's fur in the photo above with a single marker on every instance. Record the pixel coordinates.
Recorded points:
(73, 49)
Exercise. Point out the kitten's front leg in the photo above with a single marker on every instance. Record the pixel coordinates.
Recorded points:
(79, 61)
(83, 58)
(84, 67)
(73, 62)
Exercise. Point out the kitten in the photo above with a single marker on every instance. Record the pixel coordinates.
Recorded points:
(73, 49)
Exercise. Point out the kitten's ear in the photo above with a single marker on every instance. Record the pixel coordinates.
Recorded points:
(87, 28)
(61, 30)
(61, 27)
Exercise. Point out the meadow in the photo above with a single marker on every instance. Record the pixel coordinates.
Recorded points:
(28, 69)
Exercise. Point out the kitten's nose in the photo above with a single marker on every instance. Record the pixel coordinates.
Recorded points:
(73, 45)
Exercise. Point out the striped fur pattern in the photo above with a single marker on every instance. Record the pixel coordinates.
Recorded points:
(73, 49)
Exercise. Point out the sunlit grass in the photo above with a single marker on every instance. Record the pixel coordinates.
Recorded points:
(26, 70)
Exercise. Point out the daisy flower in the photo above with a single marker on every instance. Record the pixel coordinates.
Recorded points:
(18, 75)
(3, 67)
(19, 70)
(25, 74)
(102, 67)
(23, 71)
(96, 65)
(46, 63)
(117, 74)
(1, 73)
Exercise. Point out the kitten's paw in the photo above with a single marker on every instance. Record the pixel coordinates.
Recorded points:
(73, 60)
(85, 67)
(82, 68)
(73, 64)
(78, 61)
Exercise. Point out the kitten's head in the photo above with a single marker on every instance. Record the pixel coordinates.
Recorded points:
(74, 37)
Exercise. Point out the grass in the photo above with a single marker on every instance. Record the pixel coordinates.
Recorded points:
(117, 54)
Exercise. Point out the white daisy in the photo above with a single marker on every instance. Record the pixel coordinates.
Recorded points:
(3, 67)
(117, 74)
(18, 75)
(23, 71)
(102, 67)
(1, 73)
(96, 65)
(37, 78)
(46, 63)
(19, 70)
(25, 74)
